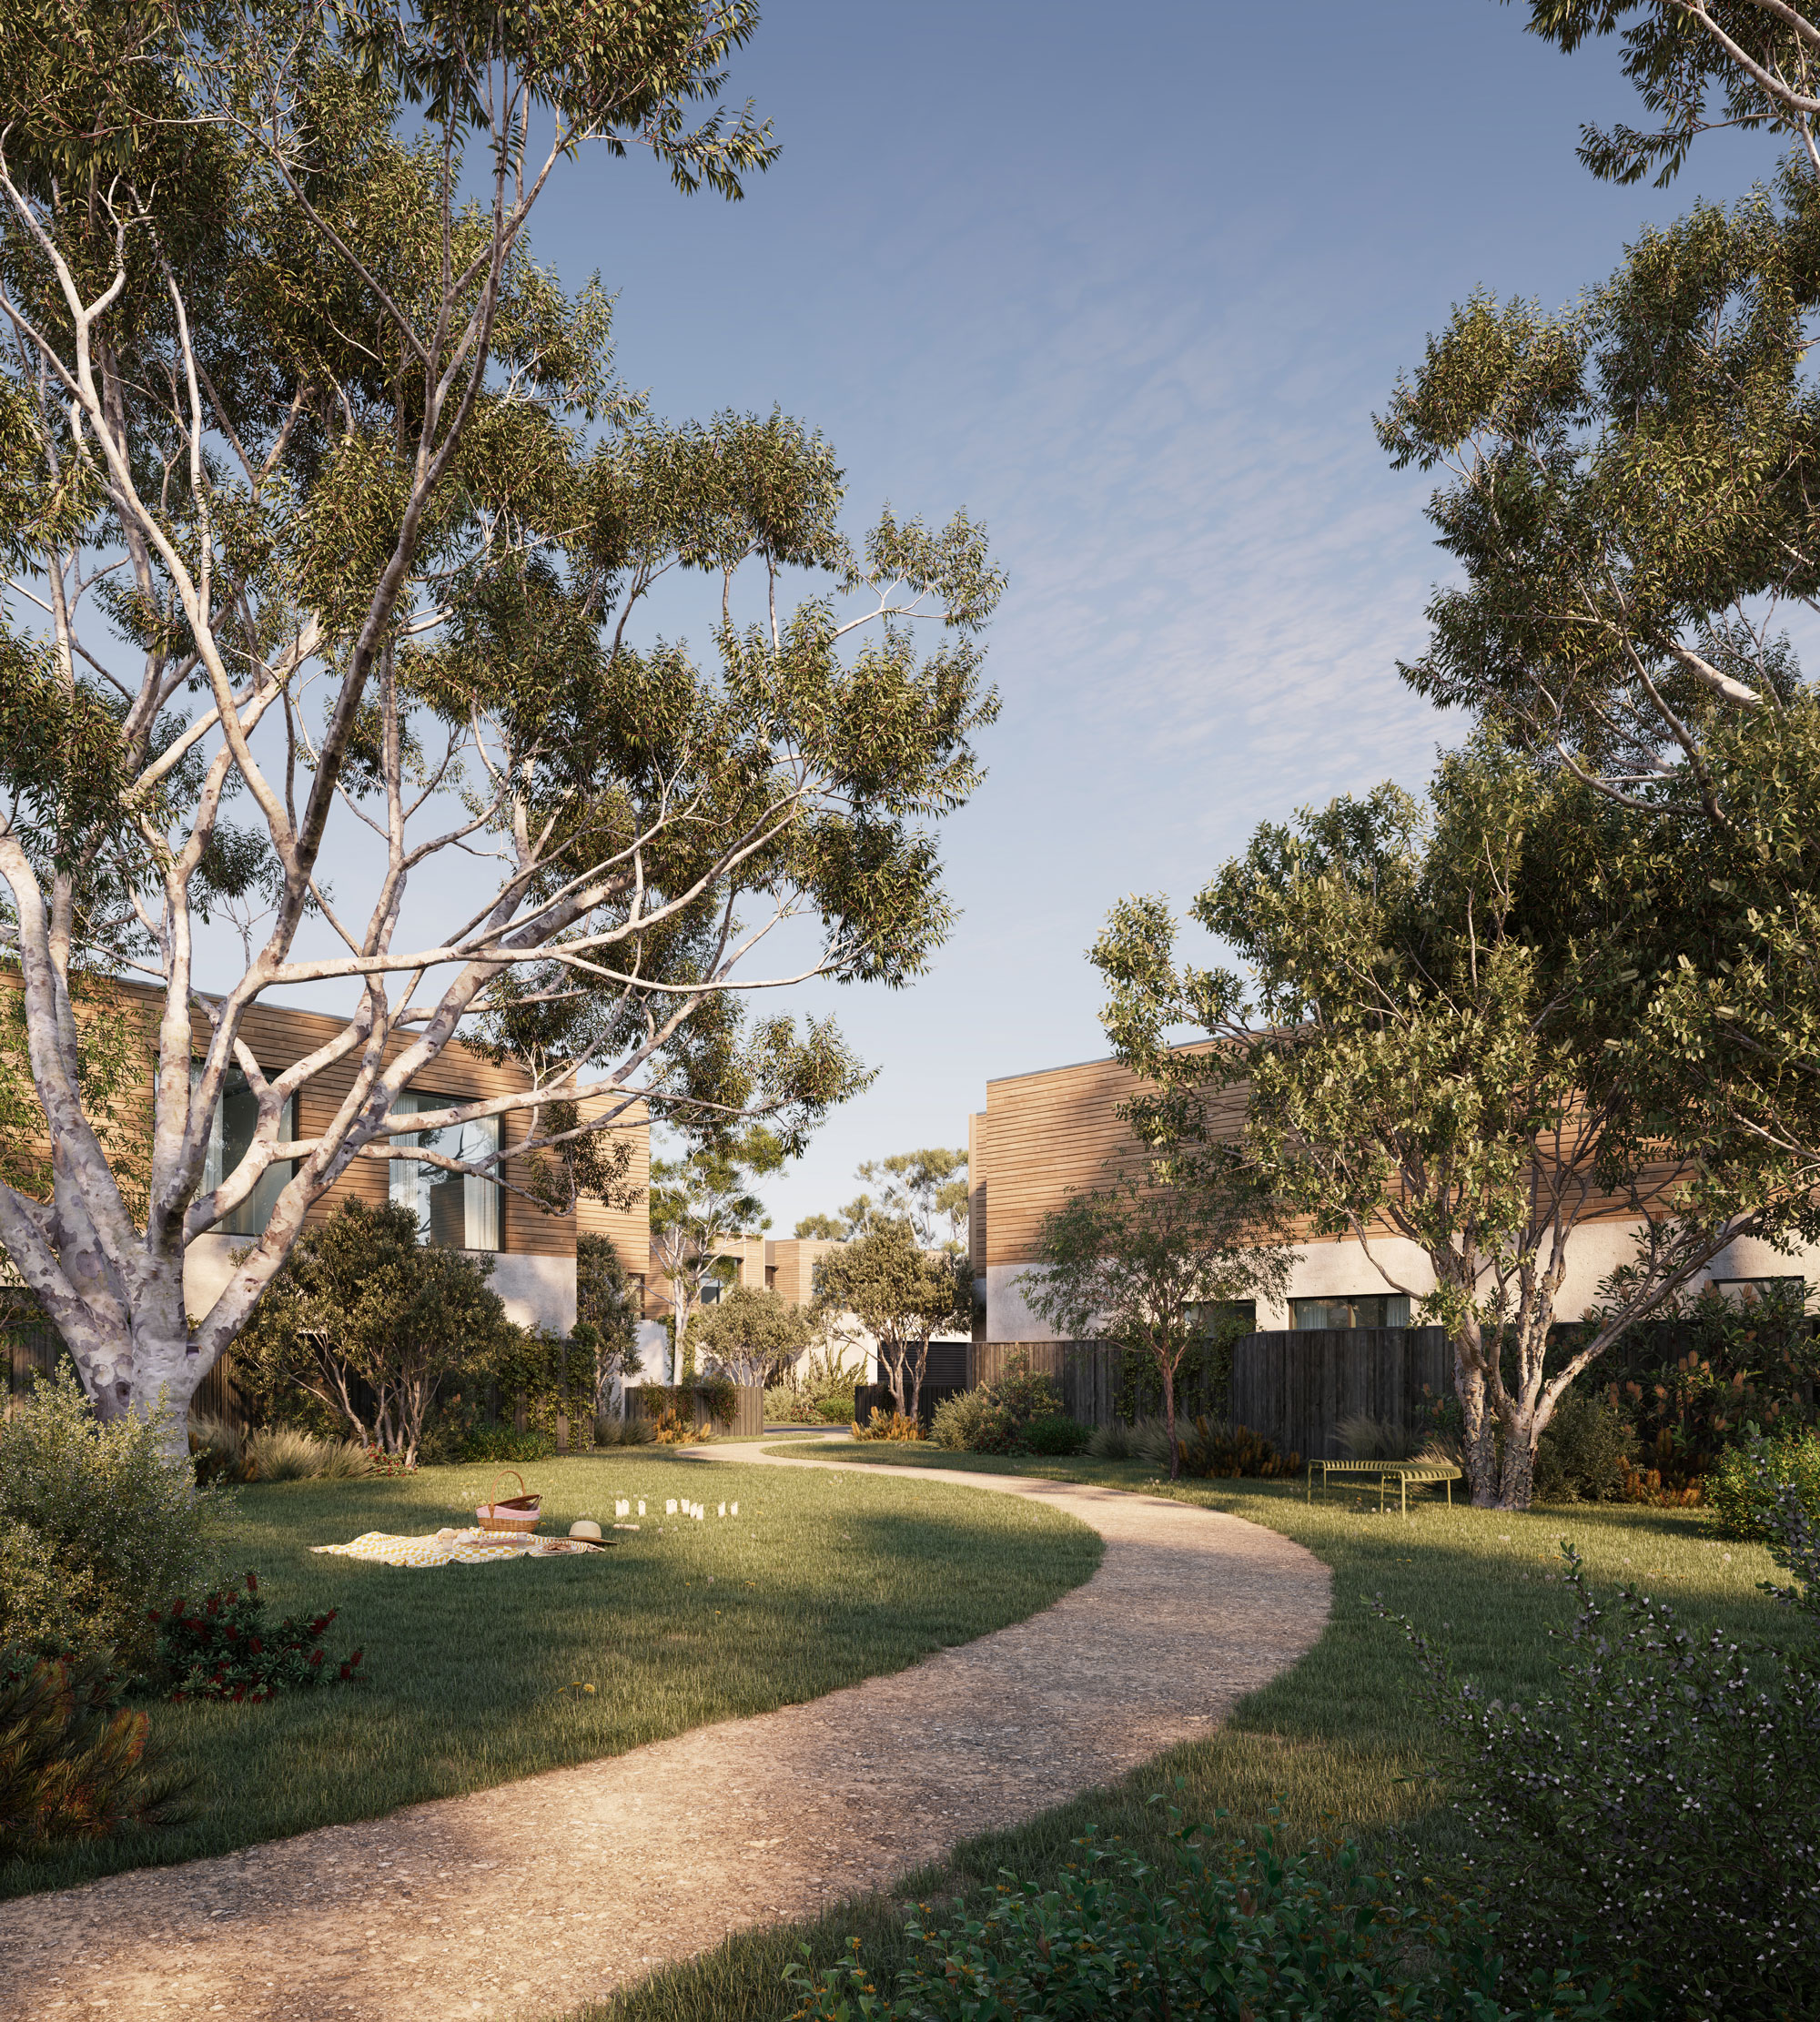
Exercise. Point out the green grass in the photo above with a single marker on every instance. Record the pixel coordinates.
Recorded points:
(1339, 1739)
(469, 1673)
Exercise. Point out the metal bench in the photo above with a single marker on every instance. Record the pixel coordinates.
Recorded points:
(1402, 1472)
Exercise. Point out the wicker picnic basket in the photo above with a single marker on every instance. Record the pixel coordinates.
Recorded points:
(516, 1516)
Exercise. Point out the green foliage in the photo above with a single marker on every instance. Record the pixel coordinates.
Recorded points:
(74, 1765)
(700, 1202)
(607, 1313)
(504, 1443)
(224, 1648)
(901, 1295)
(1583, 1452)
(1669, 1785)
(1233, 1452)
(1056, 1437)
(1137, 1261)
(1212, 1930)
(973, 1421)
(98, 1524)
(926, 1190)
(1743, 1488)
(375, 1324)
(1437, 1034)
(272, 1454)
(751, 1332)
(411, 500)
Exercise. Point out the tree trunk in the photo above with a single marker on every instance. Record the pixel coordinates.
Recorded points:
(1478, 1437)
(1516, 1489)
(1169, 1419)
(917, 1363)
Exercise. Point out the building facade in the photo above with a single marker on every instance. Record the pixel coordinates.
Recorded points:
(533, 1252)
(1046, 1135)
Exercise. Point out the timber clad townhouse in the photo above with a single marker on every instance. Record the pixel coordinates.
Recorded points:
(533, 1251)
(1045, 1136)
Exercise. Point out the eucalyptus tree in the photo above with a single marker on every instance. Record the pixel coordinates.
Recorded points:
(901, 1295)
(700, 1202)
(1437, 1062)
(329, 534)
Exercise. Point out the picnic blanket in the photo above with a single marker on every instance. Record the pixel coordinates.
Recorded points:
(438, 1548)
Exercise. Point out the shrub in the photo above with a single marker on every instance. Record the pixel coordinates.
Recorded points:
(1585, 1450)
(1110, 1442)
(215, 1449)
(836, 1411)
(1232, 1452)
(632, 1430)
(98, 1524)
(1246, 1930)
(74, 1766)
(1025, 1392)
(1742, 1488)
(1059, 1436)
(973, 1421)
(223, 1649)
(504, 1445)
(282, 1453)
(1669, 1786)
(889, 1425)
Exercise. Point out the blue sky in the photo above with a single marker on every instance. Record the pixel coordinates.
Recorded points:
(1128, 283)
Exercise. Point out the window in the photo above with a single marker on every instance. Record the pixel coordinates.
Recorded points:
(770, 1278)
(1215, 1316)
(1373, 1310)
(1740, 1288)
(230, 1133)
(454, 1210)
(636, 1280)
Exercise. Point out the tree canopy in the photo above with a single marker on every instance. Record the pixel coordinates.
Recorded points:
(752, 1333)
(901, 1295)
(328, 532)
(1438, 1051)
(926, 1190)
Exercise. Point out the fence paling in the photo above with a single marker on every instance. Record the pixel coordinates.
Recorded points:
(1294, 1386)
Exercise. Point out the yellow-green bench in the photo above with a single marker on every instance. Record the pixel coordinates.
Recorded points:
(1402, 1472)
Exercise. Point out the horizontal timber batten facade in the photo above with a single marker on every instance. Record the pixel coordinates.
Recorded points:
(532, 1250)
(1046, 1136)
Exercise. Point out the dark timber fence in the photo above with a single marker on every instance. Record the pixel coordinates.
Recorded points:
(1295, 1388)
(1085, 1372)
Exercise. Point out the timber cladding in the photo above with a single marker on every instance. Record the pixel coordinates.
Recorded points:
(1046, 1136)
(1295, 1388)
(278, 1035)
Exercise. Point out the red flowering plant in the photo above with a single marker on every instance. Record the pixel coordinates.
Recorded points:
(222, 1648)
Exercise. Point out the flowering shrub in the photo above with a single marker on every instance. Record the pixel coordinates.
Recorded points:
(223, 1649)
(1673, 1786)
(889, 1425)
(1244, 1931)
(1743, 1488)
(73, 1764)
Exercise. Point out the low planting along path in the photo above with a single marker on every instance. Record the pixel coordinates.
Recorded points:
(534, 1897)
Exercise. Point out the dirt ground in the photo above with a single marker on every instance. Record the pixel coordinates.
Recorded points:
(491, 1907)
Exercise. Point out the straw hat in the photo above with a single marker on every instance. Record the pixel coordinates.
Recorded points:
(585, 1527)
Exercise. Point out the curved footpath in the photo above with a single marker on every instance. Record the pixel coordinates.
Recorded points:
(531, 1898)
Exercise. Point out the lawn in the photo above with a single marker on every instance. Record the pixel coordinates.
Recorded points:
(1339, 1738)
(472, 1673)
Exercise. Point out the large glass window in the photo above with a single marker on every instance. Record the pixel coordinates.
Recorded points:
(454, 1210)
(230, 1133)
(1370, 1310)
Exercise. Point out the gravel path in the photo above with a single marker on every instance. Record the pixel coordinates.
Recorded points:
(493, 1905)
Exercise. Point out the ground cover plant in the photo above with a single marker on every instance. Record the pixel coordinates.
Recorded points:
(822, 1580)
(1339, 1742)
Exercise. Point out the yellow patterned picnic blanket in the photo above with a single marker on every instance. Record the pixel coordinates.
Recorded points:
(439, 1548)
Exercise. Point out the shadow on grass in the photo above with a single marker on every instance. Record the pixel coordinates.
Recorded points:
(470, 1670)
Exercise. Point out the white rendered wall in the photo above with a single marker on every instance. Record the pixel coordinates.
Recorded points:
(1332, 1269)
(538, 1291)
